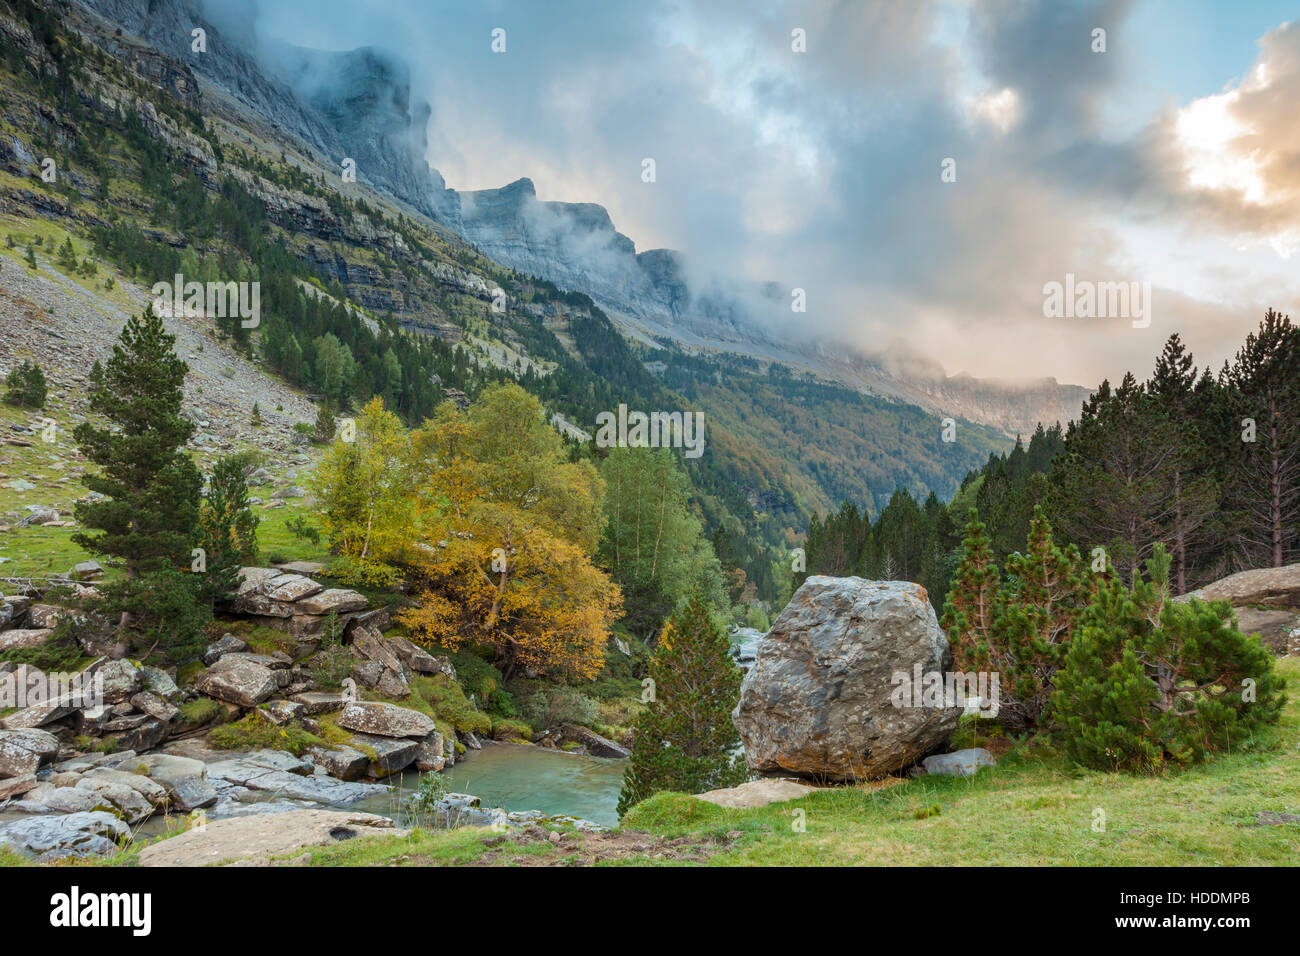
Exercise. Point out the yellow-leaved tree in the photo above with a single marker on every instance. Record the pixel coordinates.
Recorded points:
(507, 529)
(364, 486)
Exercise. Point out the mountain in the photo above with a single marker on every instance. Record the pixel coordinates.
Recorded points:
(357, 104)
(227, 165)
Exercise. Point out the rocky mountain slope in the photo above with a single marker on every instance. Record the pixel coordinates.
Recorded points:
(357, 104)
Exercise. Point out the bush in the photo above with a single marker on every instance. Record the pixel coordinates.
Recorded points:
(60, 652)
(255, 732)
(1148, 683)
(557, 704)
(25, 386)
(484, 681)
(506, 729)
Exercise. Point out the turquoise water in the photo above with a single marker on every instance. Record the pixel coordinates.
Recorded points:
(515, 777)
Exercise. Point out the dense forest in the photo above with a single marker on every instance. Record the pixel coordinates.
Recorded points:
(1208, 465)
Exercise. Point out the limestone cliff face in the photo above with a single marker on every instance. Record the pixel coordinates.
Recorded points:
(357, 104)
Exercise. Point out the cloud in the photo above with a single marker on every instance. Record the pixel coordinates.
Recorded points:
(821, 169)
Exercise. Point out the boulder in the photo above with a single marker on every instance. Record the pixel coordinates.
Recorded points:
(345, 763)
(23, 684)
(307, 568)
(338, 600)
(819, 700)
(158, 681)
(128, 801)
(756, 793)
(387, 755)
(38, 715)
(237, 681)
(1267, 587)
(959, 763)
(25, 751)
(73, 834)
(226, 644)
(596, 745)
(17, 786)
(23, 637)
(416, 658)
(152, 791)
(149, 703)
(75, 800)
(138, 733)
(430, 756)
(185, 780)
(45, 615)
(280, 712)
(263, 836)
(319, 701)
(86, 571)
(385, 720)
(122, 679)
(291, 587)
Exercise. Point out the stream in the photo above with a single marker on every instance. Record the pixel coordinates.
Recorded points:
(515, 777)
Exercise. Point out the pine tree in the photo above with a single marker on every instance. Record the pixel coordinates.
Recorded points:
(1035, 616)
(970, 605)
(228, 527)
(25, 386)
(146, 520)
(681, 741)
(1265, 484)
(1149, 683)
(1194, 489)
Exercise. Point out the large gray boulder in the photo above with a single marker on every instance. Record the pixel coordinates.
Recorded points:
(25, 751)
(819, 701)
(237, 681)
(385, 720)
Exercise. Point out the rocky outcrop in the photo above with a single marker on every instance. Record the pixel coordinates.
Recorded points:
(819, 699)
(1266, 601)
(295, 603)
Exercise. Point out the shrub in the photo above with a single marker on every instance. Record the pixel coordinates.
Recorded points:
(1149, 683)
(558, 704)
(254, 731)
(25, 386)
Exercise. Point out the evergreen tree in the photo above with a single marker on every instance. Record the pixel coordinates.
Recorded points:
(146, 520)
(1149, 683)
(1194, 491)
(681, 741)
(1265, 472)
(25, 386)
(971, 600)
(1035, 616)
(228, 527)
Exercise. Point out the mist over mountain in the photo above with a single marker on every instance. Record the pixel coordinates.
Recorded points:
(358, 104)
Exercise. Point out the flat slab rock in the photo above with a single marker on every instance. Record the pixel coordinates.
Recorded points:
(263, 836)
(385, 720)
(756, 793)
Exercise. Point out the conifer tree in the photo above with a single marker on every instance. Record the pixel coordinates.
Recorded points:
(681, 741)
(1265, 485)
(1149, 683)
(228, 527)
(1035, 616)
(146, 520)
(971, 602)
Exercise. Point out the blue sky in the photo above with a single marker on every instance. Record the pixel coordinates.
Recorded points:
(1170, 159)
